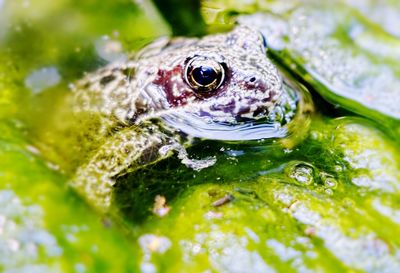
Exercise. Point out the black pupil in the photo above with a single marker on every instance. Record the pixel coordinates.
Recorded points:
(204, 75)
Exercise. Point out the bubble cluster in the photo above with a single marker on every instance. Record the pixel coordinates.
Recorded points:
(364, 251)
(227, 252)
(311, 35)
(23, 240)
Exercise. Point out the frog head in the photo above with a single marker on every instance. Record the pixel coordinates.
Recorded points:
(213, 86)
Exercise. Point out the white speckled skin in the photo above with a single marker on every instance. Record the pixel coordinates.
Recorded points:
(128, 97)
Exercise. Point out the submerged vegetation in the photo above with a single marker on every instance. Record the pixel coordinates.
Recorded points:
(330, 203)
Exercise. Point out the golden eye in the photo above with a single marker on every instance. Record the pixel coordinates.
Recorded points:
(203, 74)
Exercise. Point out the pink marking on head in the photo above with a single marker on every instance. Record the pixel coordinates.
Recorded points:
(170, 80)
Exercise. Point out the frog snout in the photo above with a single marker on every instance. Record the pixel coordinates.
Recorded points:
(255, 84)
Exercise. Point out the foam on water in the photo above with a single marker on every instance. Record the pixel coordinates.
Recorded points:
(23, 240)
(227, 252)
(362, 250)
(311, 35)
(349, 74)
(385, 13)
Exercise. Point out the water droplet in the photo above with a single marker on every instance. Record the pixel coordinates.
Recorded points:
(328, 180)
(109, 50)
(152, 243)
(80, 268)
(302, 172)
(42, 79)
(338, 168)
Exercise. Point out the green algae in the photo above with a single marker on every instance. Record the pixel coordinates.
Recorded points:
(44, 225)
(46, 48)
(272, 221)
(69, 38)
(327, 204)
(185, 17)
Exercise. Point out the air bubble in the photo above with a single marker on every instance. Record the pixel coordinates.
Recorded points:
(328, 180)
(301, 172)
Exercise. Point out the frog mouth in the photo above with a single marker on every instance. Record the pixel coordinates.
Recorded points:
(202, 127)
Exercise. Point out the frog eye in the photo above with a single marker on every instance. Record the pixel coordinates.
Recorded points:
(203, 74)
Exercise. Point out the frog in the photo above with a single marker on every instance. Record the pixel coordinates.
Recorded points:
(178, 91)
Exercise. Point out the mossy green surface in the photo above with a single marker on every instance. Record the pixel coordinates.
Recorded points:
(46, 47)
(45, 227)
(279, 212)
(328, 204)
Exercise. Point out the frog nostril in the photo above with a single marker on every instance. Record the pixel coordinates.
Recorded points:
(107, 79)
(252, 79)
(264, 41)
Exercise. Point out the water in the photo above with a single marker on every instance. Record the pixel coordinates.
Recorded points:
(349, 63)
(327, 201)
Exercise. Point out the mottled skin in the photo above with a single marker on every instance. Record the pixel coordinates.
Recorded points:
(141, 104)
